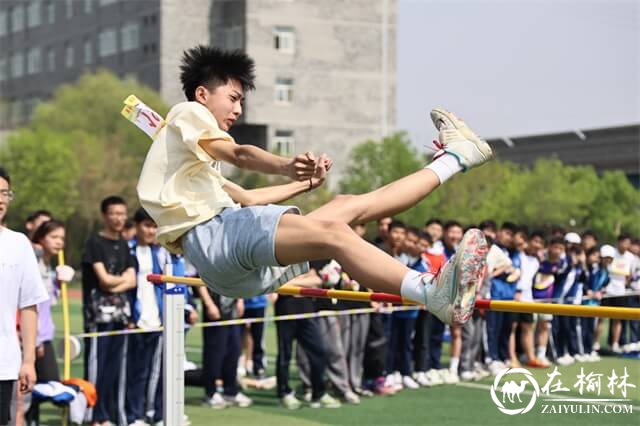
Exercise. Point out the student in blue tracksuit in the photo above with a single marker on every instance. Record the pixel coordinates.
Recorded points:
(403, 323)
(503, 287)
(144, 354)
(255, 307)
(568, 290)
(598, 264)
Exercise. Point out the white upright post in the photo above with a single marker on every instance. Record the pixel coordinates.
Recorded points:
(173, 342)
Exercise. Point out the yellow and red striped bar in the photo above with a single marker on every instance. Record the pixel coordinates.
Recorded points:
(490, 305)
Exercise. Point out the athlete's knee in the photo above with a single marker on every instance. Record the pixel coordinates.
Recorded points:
(335, 234)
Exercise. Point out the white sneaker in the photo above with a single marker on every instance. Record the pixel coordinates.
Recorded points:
(240, 400)
(423, 380)
(242, 370)
(616, 348)
(409, 383)
(290, 402)
(434, 377)
(307, 396)
(468, 376)
(449, 377)
(481, 372)
(596, 346)
(495, 367)
(139, 422)
(635, 347)
(216, 401)
(451, 293)
(325, 401)
(565, 360)
(457, 139)
(351, 398)
(594, 357)
(629, 347)
(392, 382)
(580, 358)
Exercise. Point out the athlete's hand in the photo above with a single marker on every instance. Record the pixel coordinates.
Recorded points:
(301, 167)
(320, 172)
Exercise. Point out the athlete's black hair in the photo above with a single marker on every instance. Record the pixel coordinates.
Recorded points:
(212, 67)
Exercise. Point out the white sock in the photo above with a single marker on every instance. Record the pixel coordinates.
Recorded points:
(540, 352)
(444, 167)
(412, 287)
(454, 362)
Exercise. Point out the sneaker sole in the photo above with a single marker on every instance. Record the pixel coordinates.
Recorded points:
(450, 119)
(441, 114)
(469, 267)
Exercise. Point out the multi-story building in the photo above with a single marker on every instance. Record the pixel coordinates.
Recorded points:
(325, 69)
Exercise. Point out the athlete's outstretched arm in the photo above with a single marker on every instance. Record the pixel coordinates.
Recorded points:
(251, 157)
(277, 193)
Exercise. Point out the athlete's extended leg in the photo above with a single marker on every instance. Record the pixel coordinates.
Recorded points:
(461, 149)
(450, 295)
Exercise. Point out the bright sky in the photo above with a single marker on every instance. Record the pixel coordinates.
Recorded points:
(515, 68)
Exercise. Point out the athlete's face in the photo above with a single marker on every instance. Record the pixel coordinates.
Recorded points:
(224, 102)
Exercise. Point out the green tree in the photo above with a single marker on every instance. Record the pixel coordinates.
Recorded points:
(78, 149)
(548, 193)
(374, 164)
(616, 206)
(42, 166)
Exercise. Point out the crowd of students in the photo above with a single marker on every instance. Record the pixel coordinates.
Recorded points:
(340, 358)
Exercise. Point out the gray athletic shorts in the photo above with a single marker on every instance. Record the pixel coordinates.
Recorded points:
(234, 252)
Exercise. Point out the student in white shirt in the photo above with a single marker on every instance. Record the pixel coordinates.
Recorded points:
(22, 289)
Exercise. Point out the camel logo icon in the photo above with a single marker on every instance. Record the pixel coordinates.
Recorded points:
(512, 391)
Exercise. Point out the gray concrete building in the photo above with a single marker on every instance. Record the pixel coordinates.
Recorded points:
(325, 69)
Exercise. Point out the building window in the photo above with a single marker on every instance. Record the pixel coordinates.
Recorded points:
(17, 65)
(33, 14)
(107, 43)
(51, 60)
(88, 52)
(4, 21)
(130, 36)
(284, 39)
(16, 113)
(284, 91)
(88, 6)
(3, 69)
(69, 9)
(51, 12)
(232, 37)
(284, 142)
(34, 60)
(68, 56)
(17, 19)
